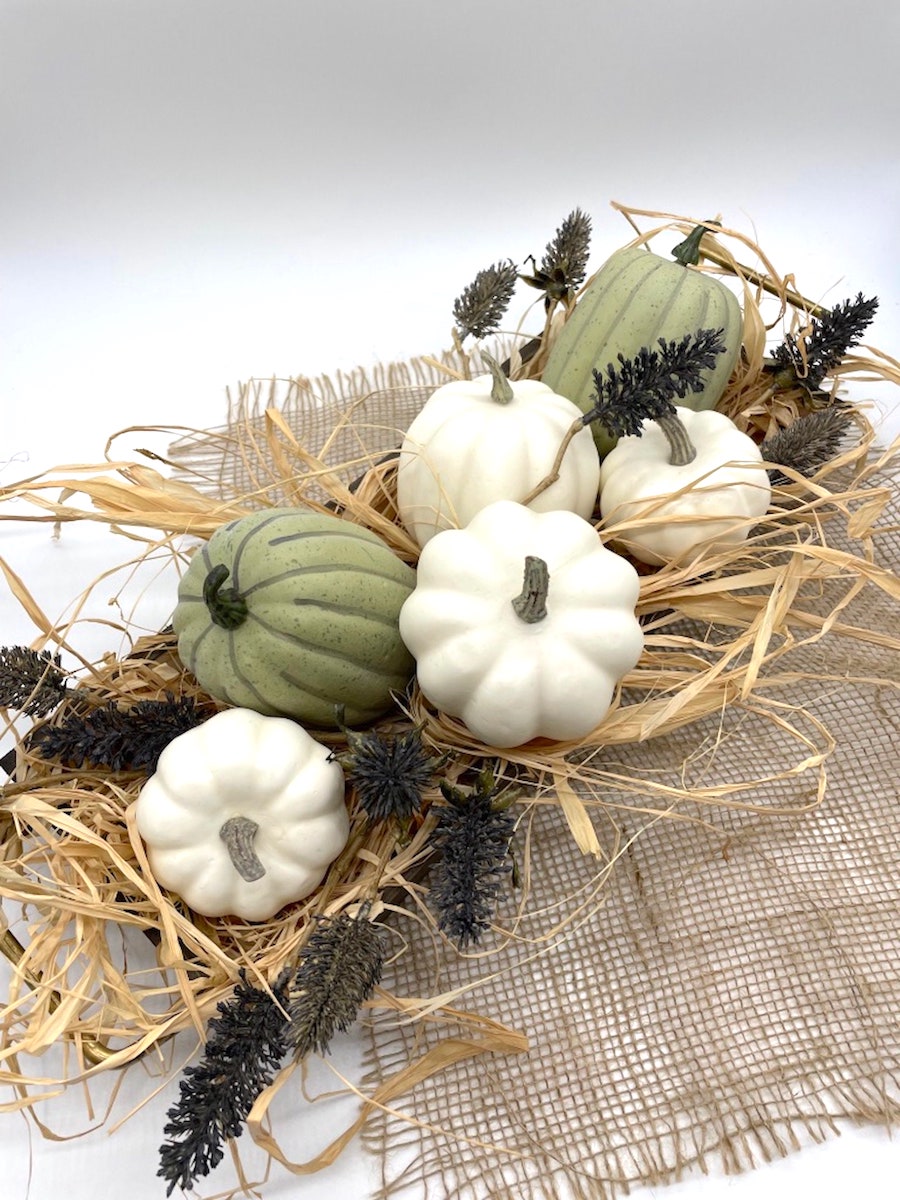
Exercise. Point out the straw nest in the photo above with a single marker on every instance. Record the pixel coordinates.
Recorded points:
(719, 632)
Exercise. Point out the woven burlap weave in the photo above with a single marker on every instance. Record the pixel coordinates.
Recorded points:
(737, 991)
(725, 993)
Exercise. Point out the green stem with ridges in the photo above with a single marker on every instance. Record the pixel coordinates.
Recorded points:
(227, 607)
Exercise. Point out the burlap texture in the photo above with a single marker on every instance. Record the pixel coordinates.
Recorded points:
(726, 992)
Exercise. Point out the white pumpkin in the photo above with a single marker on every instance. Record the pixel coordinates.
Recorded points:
(485, 439)
(522, 624)
(243, 815)
(712, 499)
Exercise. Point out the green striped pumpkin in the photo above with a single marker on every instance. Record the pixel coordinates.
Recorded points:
(635, 299)
(292, 613)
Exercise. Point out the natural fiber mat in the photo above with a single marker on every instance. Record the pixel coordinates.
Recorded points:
(735, 990)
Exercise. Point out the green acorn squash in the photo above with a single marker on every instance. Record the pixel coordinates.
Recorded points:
(292, 613)
(635, 299)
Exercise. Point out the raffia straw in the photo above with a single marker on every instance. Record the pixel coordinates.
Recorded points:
(71, 853)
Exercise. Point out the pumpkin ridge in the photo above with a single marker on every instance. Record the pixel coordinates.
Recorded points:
(196, 643)
(347, 610)
(326, 696)
(322, 569)
(296, 640)
(672, 299)
(621, 310)
(265, 706)
(248, 536)
(357, 533)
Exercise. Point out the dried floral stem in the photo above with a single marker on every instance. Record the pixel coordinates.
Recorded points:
(761, 280)
(553, 474)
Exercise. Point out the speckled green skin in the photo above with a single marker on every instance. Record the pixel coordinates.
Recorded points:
(323, 598)
(635, 299)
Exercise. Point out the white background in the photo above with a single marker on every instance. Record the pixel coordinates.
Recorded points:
(195, 192)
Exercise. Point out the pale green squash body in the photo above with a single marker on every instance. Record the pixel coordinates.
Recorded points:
(635, 299)
(322, 598)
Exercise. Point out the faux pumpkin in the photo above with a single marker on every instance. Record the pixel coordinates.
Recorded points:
(697, 475)
(291, 613)
(486, 439)
(522, 623)
(635, 299)
(243, 815)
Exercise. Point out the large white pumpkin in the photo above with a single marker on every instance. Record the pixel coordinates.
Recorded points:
(485, 439)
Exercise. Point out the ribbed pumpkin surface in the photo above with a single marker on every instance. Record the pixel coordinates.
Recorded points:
(635, 299)
(322, 599)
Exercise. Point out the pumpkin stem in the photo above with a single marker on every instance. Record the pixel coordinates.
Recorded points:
(238, 833)
(531, 602)
(501, 388)
(688, 251)
(227, 607)
(681, 449)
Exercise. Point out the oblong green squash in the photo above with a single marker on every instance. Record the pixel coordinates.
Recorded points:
(292, 613)
(635, 299)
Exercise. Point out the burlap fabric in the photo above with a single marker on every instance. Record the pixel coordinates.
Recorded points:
(728, 990)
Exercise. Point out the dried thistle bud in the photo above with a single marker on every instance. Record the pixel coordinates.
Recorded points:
(472, 839)
(245, 1047)
(339, 969)
(390, 774)
(31, 682)
(564, 264)
(810, 442)
(480, 308)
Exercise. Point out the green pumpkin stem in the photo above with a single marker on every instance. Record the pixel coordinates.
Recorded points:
(501, 388)
(681, 449)
(227, 607)
(238, 833)
(688, 251)
(531, 603)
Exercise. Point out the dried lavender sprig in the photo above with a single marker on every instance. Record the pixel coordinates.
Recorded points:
(338, 970)
(645, 386)
(565, 260)
(480, 308)
(472, 839)
(831, 335)
(245, 1047)
(118, 739)
(812, 440)
(33, 683)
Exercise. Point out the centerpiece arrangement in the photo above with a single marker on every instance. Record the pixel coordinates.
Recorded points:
(392, 642)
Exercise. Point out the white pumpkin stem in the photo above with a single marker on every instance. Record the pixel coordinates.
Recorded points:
(501, 388)
(681, 449)
(531, 602)
(238, 833)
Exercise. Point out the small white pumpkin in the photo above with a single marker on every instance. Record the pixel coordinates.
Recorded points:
(711, 499)
(243, 815)
(522, 624)
(485, 439)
